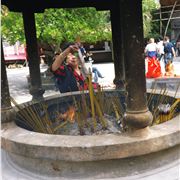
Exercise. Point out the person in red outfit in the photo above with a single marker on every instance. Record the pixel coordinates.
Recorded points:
(154, 67)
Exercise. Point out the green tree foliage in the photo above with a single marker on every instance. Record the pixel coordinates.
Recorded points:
(148, 7)
(58, 25)
(11, 26)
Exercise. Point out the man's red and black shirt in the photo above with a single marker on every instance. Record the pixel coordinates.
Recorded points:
(68, 80)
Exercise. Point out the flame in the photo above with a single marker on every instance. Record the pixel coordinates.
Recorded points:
(68, 115)
(71, 114)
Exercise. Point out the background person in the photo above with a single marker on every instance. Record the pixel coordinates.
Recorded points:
(88, 63)
(160, 48)
(153, 69)
(169, 51)
(151, 49)
(178, 46)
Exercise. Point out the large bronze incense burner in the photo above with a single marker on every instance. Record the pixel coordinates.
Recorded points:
(94, 145)
(78, 115)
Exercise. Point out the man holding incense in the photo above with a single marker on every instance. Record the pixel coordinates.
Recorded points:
(69, 76)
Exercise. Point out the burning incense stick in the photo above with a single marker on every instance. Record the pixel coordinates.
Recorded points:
(99, 112)
(91, 95)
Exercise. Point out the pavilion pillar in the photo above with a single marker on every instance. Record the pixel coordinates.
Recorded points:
(117, 40)
(7, 112)
(5, 96)
(32, 55)
(137, 113)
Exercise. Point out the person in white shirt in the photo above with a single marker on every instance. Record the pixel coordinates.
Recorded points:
(151, 49)
(160, 48)
(88, 64)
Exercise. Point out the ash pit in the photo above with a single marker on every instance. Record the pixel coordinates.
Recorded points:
(73, 114)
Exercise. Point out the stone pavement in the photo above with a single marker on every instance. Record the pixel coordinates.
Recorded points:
(19, 87)
(167, 171)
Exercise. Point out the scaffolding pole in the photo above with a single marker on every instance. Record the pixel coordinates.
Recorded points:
(170, 17)
(160, 22)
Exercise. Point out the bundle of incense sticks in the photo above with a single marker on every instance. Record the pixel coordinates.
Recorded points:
(85, 71)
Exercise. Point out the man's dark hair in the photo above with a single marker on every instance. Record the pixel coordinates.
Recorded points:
(65, 45)
(160, 38)
(166, 38)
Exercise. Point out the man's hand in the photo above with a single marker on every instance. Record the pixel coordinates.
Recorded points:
(59, 59)
(73, 48)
